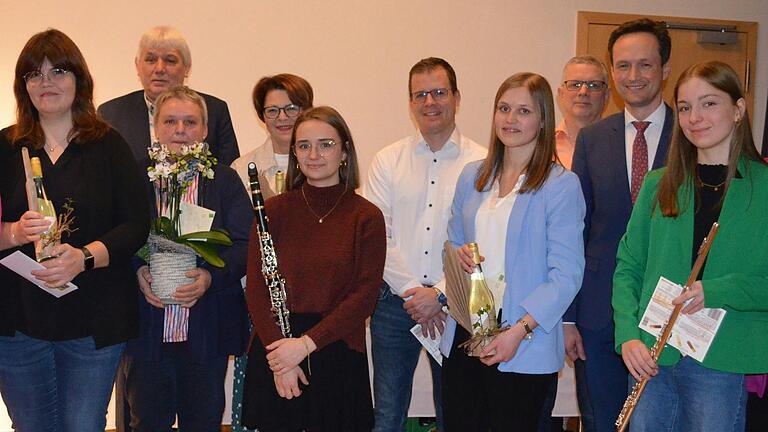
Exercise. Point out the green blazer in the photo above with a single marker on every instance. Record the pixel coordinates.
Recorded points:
(735, 278)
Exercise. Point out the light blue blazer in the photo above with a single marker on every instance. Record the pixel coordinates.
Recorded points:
(544, 262)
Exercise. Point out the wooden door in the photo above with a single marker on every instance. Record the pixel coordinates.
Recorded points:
(594, 29)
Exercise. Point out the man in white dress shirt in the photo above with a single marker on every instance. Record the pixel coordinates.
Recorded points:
(412, 181)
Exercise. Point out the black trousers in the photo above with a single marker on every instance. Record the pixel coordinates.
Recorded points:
(480, 398)
(757, 413)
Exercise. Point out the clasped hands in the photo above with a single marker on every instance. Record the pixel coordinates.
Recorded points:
(283, 358)
(186, 294)
(637, 356)
(424, 308)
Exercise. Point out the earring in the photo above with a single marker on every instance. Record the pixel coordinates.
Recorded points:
(343, 163)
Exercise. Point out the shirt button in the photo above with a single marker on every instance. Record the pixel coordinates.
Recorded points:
(425, 276)
(433, 182)
(430, 205)
(427, 228)
(435, 160)
(426, 252)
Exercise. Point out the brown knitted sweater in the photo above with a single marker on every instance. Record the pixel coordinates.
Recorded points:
(332, 268)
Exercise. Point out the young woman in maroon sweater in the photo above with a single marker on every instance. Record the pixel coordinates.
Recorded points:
(331, 247)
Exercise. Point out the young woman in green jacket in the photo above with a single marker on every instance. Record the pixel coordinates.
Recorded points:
(713, 173)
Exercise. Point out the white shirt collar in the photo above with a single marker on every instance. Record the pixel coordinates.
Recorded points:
(150, 104)
(656, 118)
(450, 149)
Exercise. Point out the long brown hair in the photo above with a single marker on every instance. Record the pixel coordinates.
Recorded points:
(349, 173)
(59, 49)
(682, 157)
(544, 153)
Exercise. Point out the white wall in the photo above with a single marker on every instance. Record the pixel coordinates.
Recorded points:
(356, 54)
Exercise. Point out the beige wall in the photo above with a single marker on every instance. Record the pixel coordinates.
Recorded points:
(356, 54)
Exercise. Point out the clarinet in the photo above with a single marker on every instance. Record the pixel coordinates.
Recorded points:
(274, 280)
(637, 390)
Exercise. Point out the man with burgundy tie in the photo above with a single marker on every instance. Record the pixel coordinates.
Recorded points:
(611, 159)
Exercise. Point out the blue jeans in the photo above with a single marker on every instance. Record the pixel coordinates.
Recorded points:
(689, 397)
(176, 384)
(395, 352)
(57, 386)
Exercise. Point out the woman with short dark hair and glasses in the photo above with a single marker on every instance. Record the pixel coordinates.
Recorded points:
(58, 355)
(330, 246)
(278, 100)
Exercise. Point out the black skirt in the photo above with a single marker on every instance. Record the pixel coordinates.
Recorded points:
(338, 397)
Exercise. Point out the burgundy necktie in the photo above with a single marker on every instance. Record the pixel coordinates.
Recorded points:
(639, 158)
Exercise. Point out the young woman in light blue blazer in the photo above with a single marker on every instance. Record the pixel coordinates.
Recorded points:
(526, 212)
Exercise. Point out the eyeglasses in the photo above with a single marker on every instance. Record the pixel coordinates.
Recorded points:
(437, 94)
(323, 148)
(54, 75)
(273, 112)
(592, 86)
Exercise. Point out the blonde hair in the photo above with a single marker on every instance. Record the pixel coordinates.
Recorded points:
(183, 93)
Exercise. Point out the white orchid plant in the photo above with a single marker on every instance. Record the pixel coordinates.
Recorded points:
(172, 174)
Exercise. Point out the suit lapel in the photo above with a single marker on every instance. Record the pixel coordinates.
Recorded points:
(266, 190)
(139, 126)
(515, 227)
(666, 132)
(616, 155)
(738, 195)
(475, 199)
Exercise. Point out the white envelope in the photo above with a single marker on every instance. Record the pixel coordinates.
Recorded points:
(194, 218)
(23, 266)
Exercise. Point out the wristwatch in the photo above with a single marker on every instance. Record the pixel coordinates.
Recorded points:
(88, 258)
(528, 331)
(441, 298)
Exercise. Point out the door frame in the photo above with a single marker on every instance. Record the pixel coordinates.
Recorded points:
(749, 28)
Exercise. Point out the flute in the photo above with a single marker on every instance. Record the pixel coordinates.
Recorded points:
(637, 390)
(278, 296)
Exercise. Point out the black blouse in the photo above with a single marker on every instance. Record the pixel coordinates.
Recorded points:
(105, 187)
(710, 190)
